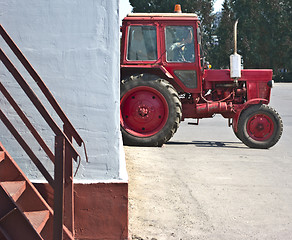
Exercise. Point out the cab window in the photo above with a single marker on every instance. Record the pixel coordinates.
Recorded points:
(179, 43)
(142, 43)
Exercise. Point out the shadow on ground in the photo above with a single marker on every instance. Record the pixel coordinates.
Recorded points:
(209, 144)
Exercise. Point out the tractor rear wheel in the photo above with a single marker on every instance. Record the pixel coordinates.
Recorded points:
(150, 111)
(260, 126)
(236, 133)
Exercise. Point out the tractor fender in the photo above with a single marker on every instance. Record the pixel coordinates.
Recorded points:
(245, 106)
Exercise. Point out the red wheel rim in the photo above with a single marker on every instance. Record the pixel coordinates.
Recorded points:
(260, 127)
(144, 111)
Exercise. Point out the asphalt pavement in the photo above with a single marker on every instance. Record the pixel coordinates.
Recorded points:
(206, 184)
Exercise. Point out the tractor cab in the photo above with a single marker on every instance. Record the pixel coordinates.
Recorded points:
(167, 43)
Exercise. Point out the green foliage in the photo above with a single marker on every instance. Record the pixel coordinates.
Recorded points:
(223, 47)
(264, 33)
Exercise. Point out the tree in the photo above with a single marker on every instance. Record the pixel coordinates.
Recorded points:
(264, 32)
(223, 47)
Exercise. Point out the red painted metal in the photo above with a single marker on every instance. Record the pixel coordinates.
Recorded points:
(144, 111)
(18, 195)
(255, 79)
(11, 216)
(211, 108)
(68, 186)
(59, 175)
(25, 202)
(241, 107)
(15, 188)
(109, 213)
(260, 127)
(223, 75)
(2, 156)
(38, 219)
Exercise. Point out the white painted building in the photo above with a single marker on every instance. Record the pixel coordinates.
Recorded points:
(74, 47)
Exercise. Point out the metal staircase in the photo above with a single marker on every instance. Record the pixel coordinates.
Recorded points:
(24, 214)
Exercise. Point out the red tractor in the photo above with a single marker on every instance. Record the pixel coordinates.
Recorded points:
(164, 80)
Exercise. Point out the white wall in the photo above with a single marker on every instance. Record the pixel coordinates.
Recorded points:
(74, 46)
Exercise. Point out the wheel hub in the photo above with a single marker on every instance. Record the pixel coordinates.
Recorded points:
(260, 127)
(143, 111)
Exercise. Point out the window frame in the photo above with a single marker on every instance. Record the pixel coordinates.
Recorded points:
(193, 41)
(157, 43)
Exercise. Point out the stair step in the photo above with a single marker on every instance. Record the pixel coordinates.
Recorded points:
(38, 219)
(14, 188)
(2, 156)
(14, 225)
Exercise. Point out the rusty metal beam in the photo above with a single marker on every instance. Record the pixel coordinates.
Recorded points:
(34, 99)
(4, 234)
(59, 187)
(26, 148)
(69, 186)
(41, 84)
(27, 122)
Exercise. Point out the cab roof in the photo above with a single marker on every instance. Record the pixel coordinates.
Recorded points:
(152, 16)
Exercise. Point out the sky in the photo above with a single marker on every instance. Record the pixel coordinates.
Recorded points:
(126, 8)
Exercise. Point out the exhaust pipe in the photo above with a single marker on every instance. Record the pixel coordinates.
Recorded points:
(235, 36)
(235, 59)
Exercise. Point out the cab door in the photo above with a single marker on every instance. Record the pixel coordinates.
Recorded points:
(179, 43)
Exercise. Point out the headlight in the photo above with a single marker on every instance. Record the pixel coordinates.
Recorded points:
(271, 83)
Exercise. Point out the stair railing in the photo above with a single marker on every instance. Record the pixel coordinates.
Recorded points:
(62, 183)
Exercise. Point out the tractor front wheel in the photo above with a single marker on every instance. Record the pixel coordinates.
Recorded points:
(259, 126)
(150, 111)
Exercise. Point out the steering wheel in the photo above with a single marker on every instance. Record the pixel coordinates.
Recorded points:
(176, 48)
(176, 45)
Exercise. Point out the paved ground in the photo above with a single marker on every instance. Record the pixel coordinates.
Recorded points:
(205, 184)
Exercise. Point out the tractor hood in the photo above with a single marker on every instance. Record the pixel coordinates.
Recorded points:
(258, 82)
(255, 75)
